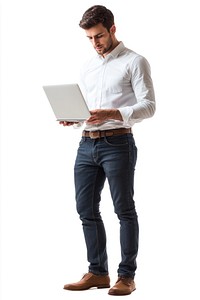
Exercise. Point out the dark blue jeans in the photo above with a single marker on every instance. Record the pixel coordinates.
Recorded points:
(113, 158)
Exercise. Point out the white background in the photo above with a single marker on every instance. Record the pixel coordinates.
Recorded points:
(42, 245)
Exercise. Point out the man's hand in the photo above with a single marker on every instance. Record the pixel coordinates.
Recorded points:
(65, 123)
(98, 116)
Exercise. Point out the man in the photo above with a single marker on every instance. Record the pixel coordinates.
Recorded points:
(118, 88)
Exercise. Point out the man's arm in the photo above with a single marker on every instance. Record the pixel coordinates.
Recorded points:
(98, 116)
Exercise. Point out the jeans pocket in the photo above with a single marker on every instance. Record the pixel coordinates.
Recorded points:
(82, 141)
(116, 141)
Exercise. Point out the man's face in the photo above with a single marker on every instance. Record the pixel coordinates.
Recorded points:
(101, 39)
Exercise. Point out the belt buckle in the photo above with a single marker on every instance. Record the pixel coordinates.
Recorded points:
(94, 134)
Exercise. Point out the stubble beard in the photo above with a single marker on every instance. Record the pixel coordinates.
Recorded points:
(107, 49)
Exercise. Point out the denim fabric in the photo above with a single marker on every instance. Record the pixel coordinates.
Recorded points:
(113, 158)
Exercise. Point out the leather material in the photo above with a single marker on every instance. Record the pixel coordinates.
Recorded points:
(123, 286)
(88, 281)
(99, 134)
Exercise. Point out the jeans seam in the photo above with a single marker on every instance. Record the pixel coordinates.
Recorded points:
(93, 215)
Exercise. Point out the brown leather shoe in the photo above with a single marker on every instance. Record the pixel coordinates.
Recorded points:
(123, 286)
(88, 281)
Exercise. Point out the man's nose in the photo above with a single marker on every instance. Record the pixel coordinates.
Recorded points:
(94, 41)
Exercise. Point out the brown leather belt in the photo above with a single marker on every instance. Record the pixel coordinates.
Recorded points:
(102, 133)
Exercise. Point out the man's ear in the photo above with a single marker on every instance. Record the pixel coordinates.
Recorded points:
(113, 29)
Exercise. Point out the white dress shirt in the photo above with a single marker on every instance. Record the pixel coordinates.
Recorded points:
(121, 80)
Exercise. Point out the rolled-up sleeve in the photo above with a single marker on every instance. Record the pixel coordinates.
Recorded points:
(144, 93)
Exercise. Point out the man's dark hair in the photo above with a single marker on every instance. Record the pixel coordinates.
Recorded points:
(95, 15)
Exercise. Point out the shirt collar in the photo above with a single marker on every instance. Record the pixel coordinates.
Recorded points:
(116, 51)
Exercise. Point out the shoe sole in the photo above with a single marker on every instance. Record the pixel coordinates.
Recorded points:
(122, 294)
(87, 288)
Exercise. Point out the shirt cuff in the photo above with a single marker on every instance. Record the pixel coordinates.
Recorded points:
(126, 113)
(77, 125)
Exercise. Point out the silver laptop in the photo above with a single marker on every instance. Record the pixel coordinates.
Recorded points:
(67, 102)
